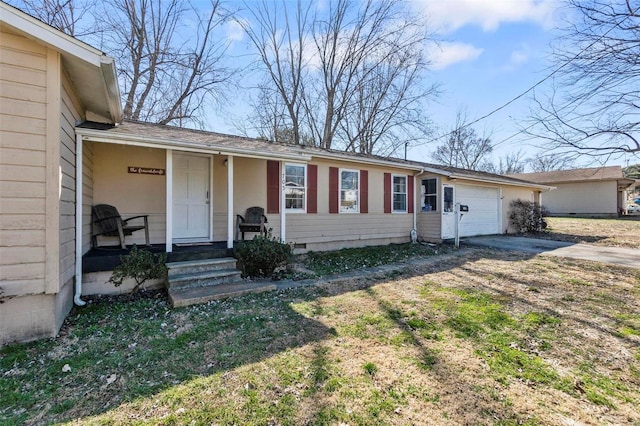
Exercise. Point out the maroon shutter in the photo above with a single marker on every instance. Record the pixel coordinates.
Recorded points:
(387, 192)
(364, 191)
(334, 193)
(273, 187)
(410, 192)
(312, 188)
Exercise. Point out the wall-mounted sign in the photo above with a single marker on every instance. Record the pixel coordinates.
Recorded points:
(145, 170)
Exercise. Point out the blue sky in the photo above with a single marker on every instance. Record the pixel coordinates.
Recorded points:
(492, 51)
(489, 52)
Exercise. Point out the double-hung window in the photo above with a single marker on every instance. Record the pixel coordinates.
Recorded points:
(399, 193)
(295, 187)
(429, 195)
(349, 191)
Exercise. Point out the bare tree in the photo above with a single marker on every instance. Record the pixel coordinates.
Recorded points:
(281, 43)
(347, 75)
(69, 16)
(594, 104)
(169, 57)
(508, 164)
(386, 109)
(170, 60)
(549, 162)
(464, 148)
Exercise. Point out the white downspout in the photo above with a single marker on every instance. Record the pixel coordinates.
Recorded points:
(283, 221)
(78, 271)
(229, 201)
(168, 230)
(416, 200)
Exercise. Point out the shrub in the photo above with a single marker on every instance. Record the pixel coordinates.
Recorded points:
(141, 265)
(527, 216)
(261, 256)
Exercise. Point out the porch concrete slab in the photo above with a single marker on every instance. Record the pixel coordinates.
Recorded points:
(615, 255)
(196, 295)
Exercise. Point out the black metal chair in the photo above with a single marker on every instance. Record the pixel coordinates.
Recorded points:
(107, 221)
(253, 221)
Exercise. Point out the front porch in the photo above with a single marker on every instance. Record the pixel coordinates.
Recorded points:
(197, 273)
(106, 258)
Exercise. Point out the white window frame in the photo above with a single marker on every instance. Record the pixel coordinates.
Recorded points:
(394, 193)
(340, 208)
(430, 194)
(305, 188)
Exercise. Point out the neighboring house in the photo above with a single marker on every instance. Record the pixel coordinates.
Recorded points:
(597, 191)
(64, 148)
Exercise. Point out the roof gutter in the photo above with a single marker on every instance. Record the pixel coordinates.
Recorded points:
(91, 135)
(110, 75)
(374, 161)
(503, 182)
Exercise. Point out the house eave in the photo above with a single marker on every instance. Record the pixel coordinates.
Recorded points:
(361, 160)
(91, 135)
(452, 175)
(92, 72)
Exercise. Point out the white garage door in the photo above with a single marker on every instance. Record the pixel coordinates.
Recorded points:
(483, 217)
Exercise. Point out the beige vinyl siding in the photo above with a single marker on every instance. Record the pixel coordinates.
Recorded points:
(509, 194)
(429, 226)
(323, 228)
(70, 108)
(583, 198)
(23, 148)
(132, 194)
(325, 231)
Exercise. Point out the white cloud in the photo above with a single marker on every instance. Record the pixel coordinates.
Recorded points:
(449, 15)
(516, 60)
(234, 31)
(445, 54)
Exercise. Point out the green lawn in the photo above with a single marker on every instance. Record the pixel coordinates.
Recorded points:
(466, 337)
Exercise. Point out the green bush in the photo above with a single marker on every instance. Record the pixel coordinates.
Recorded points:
(527, 216)
(141, 265)
(261, 256)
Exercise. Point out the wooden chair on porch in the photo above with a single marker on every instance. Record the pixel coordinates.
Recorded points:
(107, 221)
(253, 221)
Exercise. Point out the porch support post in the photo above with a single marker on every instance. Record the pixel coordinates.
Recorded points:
(283, 220)
(78, 270)
(168, 238)
(230, 201)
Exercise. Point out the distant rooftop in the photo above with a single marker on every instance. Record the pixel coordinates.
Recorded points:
(573, 175)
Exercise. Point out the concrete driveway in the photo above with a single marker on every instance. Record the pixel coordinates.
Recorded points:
(616, 255)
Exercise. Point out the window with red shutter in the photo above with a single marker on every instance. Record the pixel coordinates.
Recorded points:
(312, 190)
(364, 191)
(387, 193)
(333, 189)
(273, 187)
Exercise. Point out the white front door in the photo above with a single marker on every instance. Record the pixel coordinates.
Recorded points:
(191, 197)
(448, 212)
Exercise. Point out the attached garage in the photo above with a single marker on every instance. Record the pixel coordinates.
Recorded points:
(486, 195)
(483, 217)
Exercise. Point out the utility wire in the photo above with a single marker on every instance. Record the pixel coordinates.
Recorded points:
(555, 71)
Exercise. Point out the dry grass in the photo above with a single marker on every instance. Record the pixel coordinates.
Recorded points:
(620, 232)
(473, 337)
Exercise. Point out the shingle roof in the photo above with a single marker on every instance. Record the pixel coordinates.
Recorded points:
(233, 143)
(574, 175)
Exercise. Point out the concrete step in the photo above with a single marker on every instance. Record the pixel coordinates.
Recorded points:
(206, 278)
(194, 295)
(193, 266)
